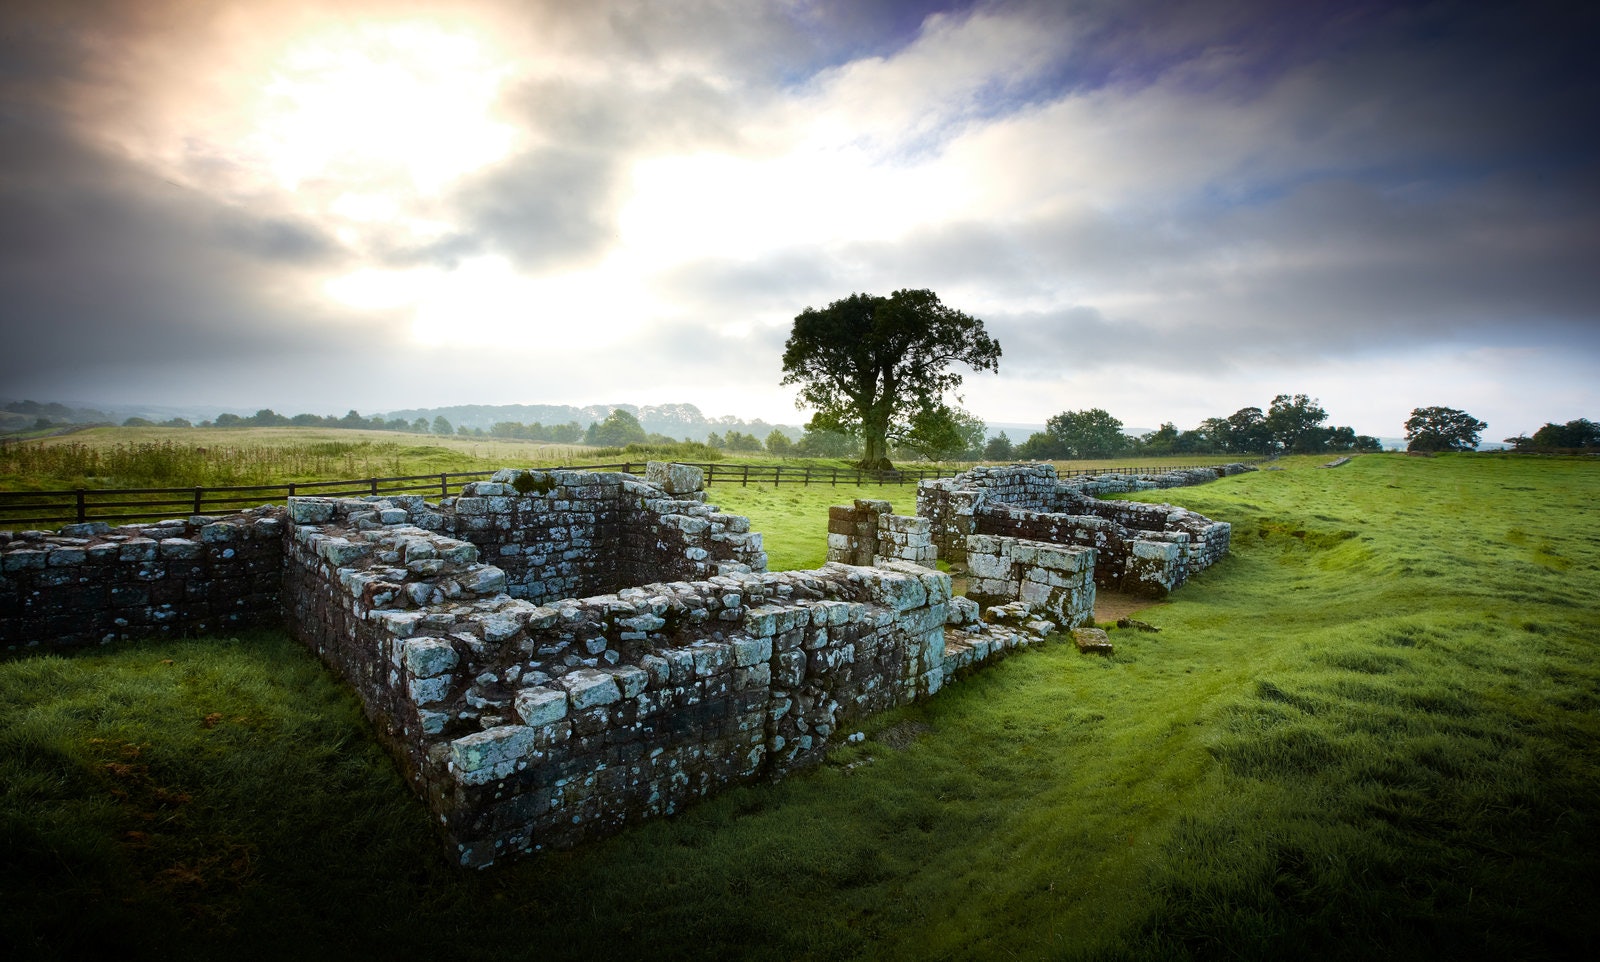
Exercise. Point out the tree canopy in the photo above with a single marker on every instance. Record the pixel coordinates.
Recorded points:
(1295, 424)
(618, 430)
(942, 433)
(1442, 429)
(1093, 433)
(867, 364)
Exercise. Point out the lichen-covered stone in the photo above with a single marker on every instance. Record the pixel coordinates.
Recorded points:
(1092, 640)
(426, 657)
(310, 510)
(674, 478)
(490, 755)
(589, 688)
(541, 706)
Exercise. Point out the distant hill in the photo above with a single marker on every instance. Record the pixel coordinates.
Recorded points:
(673, 420)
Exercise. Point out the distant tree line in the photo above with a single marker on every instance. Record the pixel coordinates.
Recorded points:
(1581, 435)
(1292, 424)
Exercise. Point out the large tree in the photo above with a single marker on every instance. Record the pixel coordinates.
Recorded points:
(1295, 424)
(1442, 429)
(869, 364)
(1086, 434)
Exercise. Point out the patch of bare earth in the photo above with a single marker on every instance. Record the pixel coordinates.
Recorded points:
(1110, 606)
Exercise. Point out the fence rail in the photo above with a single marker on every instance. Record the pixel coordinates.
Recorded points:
(79, 505)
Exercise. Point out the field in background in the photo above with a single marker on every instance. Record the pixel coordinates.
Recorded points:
(125, 457)
(1373, 731)
(161, 457)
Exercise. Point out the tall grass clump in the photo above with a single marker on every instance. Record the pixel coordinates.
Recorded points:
(697, 451)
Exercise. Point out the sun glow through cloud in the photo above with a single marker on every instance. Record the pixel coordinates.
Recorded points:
(375, 99)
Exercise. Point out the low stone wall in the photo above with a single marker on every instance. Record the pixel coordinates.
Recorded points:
(1142, 549)
(1054, 579)
(870, 533)
(530, 720)
(93, 584)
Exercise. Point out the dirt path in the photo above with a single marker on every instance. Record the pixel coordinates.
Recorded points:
(1111, 605)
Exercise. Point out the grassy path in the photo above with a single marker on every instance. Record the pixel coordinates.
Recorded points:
(1371, 732)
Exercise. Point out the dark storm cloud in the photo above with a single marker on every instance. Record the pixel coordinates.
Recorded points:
(1418, 176)
(109, 272)
(547, 209)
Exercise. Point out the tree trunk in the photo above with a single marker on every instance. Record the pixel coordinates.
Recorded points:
(875, 453)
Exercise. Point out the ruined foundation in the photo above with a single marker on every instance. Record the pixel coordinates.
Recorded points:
(1145, 549)
(554, 655)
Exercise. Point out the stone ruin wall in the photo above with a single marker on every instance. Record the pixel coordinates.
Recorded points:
(1054, 578)
(1050, 580)
(526, 720)
(531, 719)
(92, 584)
(1140, 548)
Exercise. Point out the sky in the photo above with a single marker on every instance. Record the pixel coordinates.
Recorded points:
(1168, 210)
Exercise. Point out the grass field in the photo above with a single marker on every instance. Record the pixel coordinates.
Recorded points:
(161, 457)
(1373, 731)
(119, 457)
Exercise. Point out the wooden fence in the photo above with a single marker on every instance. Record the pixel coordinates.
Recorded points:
(53, 508)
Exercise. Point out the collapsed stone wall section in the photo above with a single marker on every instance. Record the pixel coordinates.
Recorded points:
(1054, 579)
(1142, 549)
(91, 584)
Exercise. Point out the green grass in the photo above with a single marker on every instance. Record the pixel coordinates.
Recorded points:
(793, 518)
(1370, 732)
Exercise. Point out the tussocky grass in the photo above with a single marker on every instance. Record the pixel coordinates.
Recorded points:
(1371, 731)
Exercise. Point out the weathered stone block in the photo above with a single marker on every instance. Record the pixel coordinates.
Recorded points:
(310, 510)
(674, 478)
(428, 691)
(490, 755)
(539, 706)
(630, 680)
(751, 651)
(426, 657)
(588, 688)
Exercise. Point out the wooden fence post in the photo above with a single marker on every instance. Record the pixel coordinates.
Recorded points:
(81, 513)
(199, 493)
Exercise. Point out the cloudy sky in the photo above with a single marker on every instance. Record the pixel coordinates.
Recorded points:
(1168, 210)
